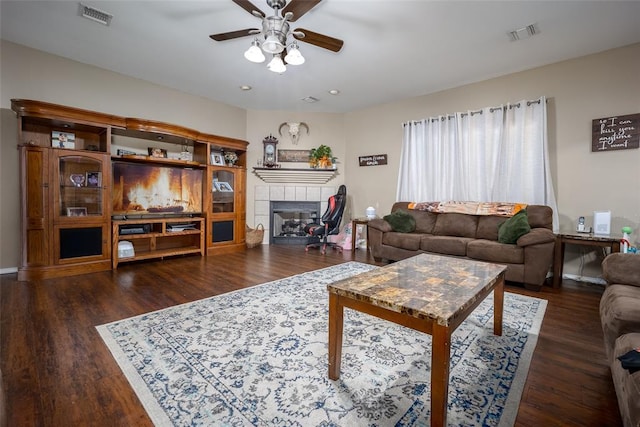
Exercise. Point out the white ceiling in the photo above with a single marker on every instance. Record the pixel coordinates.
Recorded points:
(392, 49)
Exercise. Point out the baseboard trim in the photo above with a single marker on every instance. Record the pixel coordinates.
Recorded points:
(596, 280)
(8, 270)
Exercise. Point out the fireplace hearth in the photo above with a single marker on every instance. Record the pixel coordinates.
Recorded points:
(288, 220)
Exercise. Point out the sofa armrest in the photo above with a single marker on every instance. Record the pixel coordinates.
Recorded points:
(622, 268)
(536, 236)
(380, 224)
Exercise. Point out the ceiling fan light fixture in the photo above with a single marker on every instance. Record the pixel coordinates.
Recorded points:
(254, 53)
(276, 65)
(272, 44)
(294, 57)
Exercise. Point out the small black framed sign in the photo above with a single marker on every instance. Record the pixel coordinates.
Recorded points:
(373, 160)
(615, 133)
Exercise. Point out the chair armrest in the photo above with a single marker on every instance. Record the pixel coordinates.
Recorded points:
(380, 224)
(622, 269)
(536, 236)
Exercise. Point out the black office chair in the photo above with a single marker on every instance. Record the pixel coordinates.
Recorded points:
(318, 234)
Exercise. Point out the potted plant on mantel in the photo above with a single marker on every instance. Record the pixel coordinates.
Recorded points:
(321, 157)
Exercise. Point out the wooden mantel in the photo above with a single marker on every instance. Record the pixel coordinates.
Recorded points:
(295, 175)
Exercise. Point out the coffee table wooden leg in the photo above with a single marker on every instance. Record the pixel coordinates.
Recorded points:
(440, 355)
(498, 306)
(336, 316)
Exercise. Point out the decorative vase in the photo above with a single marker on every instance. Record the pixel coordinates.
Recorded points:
(231, 158)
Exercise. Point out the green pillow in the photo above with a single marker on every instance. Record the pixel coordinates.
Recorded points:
(401, 221)
(514, 228)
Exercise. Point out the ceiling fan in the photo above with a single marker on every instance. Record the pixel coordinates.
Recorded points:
(272, 38)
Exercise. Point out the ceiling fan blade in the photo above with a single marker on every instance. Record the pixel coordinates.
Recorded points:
(234, 34)
(319, 40)
(249, 7)
(299, 8)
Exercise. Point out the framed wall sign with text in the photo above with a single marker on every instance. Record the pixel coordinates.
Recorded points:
(616, 133)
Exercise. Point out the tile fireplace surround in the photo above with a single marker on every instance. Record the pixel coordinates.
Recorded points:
(264, 194)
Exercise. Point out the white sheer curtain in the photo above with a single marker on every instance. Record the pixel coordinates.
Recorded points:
(497, 154)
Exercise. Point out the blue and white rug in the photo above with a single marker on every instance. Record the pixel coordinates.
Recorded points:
(258, 357)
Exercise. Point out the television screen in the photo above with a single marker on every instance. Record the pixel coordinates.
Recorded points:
(140, 189)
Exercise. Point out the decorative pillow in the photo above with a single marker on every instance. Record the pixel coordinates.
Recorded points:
(514, 228)
(401, 221)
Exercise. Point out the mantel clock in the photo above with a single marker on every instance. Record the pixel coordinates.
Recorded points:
(270, 144)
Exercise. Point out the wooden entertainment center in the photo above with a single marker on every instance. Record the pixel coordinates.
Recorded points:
(74, 214)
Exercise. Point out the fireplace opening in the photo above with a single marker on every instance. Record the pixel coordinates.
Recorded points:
(288, 220)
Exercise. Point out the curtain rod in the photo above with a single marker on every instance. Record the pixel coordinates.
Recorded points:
(491, 110)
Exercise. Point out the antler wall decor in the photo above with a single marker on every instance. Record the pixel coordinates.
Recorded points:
(294, 130)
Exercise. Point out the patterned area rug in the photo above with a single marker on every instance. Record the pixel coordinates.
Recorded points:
(258, 357)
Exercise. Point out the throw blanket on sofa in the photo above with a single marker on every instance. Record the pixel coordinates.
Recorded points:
(471, 208)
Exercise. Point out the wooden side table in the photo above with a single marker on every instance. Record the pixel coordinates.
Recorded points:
(585, 239)
(354, 229)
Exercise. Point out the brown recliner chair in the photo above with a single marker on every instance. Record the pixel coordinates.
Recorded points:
(620, 318)
(318, 234)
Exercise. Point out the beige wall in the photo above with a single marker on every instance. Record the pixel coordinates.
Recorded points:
(31, 74)
(324, 128)
(578, 90)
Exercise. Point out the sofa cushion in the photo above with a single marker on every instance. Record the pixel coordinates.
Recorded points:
(448, 245)
(401, 221)
(425, 221)
(409, 241)
(512, 229)
(455, 224)
(622, 268)
(492, 251)
(627, 385)
(488, 227)
(619, 313)
(540, 216)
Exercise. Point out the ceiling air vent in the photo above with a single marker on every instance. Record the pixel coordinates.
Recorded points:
(310, 99)
(524, 32)
(94, 14)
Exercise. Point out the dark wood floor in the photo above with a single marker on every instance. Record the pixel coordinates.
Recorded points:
(57, 371)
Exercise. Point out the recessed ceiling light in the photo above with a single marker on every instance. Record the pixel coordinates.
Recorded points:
(245, 87)
(334, 92)
(310, 99)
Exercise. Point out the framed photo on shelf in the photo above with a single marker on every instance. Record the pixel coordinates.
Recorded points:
(76, 211)
(63, 139)
(217, 158)
(223, 187)
(157, 152)
(93, 179)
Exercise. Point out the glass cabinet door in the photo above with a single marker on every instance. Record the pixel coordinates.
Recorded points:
(80, 185)
(223, 191)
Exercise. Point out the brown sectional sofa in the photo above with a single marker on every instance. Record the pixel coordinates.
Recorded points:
(471, 236)
(620, 318)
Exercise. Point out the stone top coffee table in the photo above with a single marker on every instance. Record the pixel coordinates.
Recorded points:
(429, 293)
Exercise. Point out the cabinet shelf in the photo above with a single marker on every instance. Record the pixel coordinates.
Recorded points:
(161, 242)
(158, 160)
(160, 253)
